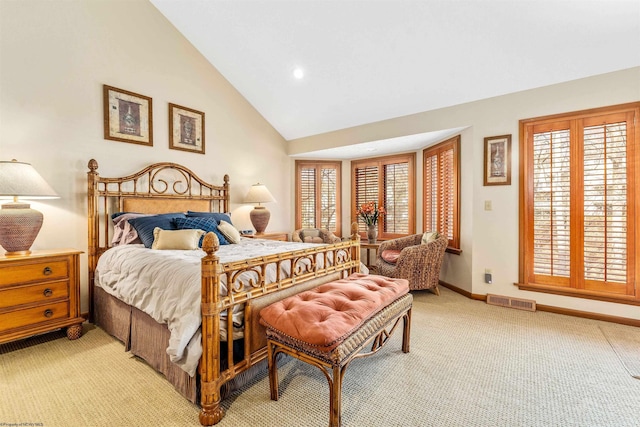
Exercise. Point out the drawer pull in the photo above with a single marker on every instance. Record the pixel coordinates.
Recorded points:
(48, 313)
(47, 292)
(47, 271)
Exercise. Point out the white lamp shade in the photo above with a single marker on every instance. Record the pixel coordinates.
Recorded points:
(258, 193)
(21, 179)
(19, 224)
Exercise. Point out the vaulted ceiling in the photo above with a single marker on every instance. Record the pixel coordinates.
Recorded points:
(370, 60)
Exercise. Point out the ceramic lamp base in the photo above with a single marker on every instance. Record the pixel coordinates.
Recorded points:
(260, 218)
(19, 227)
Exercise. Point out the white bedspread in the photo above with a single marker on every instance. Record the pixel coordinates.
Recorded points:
(166, 284)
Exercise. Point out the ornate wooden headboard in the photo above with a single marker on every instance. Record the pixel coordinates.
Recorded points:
(158, 188)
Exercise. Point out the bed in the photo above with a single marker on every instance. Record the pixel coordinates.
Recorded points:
(232, 290)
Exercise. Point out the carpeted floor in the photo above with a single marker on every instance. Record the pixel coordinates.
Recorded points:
(470, 364)
(625, 341)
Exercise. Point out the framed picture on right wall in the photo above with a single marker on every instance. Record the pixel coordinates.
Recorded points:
(186, 129)
(497, 160)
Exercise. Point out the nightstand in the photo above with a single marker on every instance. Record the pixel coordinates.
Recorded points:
(269, 236)
(40, 292)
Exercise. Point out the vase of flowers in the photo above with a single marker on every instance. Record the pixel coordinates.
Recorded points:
(370, 213)
(372, 233)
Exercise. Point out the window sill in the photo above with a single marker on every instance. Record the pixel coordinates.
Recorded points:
(579, 293)
(454, 251)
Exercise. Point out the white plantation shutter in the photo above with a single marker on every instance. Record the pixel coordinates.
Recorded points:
(441, 190)
(581, 179)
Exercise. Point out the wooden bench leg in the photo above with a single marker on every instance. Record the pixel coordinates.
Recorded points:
(406, 334)
(335, 398)
(273, 370)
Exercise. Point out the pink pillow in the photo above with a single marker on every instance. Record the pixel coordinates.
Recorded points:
(390, 255)
(123, 231)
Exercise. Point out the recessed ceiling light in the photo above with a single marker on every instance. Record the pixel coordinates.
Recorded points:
(298, 73)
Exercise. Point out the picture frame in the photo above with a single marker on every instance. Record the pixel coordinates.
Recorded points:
(128, 116)
(186, 129)
(497, 160)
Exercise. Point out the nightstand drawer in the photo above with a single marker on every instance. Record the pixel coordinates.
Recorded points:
(34, 315)
(34, 293)
(35, 271)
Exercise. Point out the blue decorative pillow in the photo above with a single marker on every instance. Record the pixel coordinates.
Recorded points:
(201, 223)
(215, 215)
(145, 225)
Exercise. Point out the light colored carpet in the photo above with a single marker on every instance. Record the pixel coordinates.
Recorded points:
(625, 341)
(471, 364)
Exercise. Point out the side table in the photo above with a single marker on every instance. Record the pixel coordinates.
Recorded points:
(368, 248)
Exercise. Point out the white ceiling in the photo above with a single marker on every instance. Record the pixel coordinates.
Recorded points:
(370, 60)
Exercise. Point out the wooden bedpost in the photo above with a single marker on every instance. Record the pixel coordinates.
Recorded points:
(211, 412)
(226, 194)
(355, 250)
(92, 180)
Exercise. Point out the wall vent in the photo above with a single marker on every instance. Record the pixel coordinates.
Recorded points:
(519, 303)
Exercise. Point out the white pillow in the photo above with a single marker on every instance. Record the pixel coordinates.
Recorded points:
(429, 236)
(229, 232)
(176, 239)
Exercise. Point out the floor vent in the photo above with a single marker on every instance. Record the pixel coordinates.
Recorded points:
(519, 303)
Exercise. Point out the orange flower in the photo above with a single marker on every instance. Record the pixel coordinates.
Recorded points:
(370, 212)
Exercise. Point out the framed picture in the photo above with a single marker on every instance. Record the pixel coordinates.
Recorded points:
(497, 160)
(127, 116)
(186, 129)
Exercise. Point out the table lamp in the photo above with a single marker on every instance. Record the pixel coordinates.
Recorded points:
(258, 193)
(19, 224)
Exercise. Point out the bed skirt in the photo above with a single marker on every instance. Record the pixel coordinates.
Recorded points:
(147, 339)
(144, 338)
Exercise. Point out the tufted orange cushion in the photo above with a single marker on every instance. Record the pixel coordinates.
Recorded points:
(324, 316)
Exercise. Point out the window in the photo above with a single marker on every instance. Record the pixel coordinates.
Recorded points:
(390, 182)
(442, 191)
(318, 195)
(578, 203)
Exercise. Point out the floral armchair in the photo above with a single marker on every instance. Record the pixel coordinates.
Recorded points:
(314, 235)
(409, 258)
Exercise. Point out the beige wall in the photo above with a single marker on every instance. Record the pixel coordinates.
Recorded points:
(489, 239)
(55, 57)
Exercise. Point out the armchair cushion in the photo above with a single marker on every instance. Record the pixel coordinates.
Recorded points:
(390, 255)
(311, 235)
(314, 235)
(429, 236)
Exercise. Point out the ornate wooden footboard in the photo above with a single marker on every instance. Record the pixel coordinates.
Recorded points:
(305, 265)
(168, 187)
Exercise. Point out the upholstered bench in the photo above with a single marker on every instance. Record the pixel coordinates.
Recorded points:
(330, 325)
